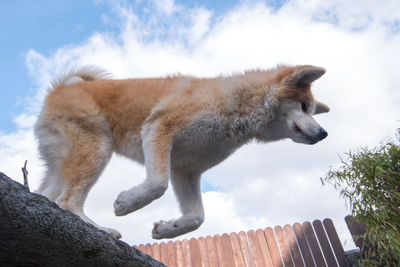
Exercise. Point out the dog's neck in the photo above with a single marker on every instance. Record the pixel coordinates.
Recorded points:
(253, 107)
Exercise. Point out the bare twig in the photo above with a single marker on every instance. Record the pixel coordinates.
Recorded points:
(25, 173)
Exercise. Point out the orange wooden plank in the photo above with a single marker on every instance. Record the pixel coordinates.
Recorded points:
(203, 252)
(195, 253)
(324, 243)
(273, 247)
(293, 247)
(141, 248)
(237, 250)
(171, 254)
(262, 242)
(304, 248)
(244, 244)
(219, 250)
(147, 249)
(255, 249)
(180, 262)
(335, 241)
(227, 250)
(163, 253)
(211, 252)
(313, 243)
(186, 253)
(155, 251)
(287, 259)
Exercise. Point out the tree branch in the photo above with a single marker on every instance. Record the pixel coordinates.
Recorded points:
(36, 232)
(25, 173)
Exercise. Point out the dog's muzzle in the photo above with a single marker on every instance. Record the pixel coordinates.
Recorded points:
(318, 136)
(322, 134)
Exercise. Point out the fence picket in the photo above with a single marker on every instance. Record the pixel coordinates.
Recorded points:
(194, 253)
(287, 259)
(227, 250)
(262, 242)
(180, 262)
(237, 251)
(293, 247)
(324, 243)
(335, 241)
(304, 248)
(186, 253)
(313, 243)
(273, 247)
(163, 253)
(219, 250)
(244, 244)
(203, 252)
(155, 251)
(255, 249)
(211, 251)
(171, 254)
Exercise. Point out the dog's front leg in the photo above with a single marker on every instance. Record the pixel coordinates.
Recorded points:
(156, 142)
(187, 189)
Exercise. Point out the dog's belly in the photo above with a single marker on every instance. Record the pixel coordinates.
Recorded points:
(131, 148)
(192, 150)
(194, 157)
(184, 156)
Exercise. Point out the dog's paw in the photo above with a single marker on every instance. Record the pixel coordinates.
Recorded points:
(114, 233)
(123, 205)
(173, 228)
(163, 229)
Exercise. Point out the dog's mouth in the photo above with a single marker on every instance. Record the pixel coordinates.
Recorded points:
(309, 139)
(297, 129)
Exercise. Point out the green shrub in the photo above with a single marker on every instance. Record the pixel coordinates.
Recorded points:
(369, 181)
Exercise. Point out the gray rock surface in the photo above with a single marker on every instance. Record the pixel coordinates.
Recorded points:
(36, 232)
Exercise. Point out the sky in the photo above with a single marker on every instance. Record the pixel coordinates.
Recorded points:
(260, 185)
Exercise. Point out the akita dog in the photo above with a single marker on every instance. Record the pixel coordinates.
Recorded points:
(177, 126)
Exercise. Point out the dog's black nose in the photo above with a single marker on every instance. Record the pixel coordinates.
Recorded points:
(322, 134)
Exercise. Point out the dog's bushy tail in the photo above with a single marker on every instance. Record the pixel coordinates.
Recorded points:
(79, 74)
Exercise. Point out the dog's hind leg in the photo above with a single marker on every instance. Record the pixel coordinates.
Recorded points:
(75, 158)
(85, 161)
(187, 190)
(52, 184)
(53, 146)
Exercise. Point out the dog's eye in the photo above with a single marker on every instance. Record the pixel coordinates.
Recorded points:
(303, 107)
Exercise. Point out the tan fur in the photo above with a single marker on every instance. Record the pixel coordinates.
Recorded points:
(169, 124)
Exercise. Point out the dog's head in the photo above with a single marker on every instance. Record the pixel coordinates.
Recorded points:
(296, 105)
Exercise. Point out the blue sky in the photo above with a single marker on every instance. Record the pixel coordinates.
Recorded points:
(47, 25)
(356, 41)
(43, 25)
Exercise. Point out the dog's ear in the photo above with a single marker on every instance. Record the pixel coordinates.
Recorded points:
(320, 108)
(304, 76)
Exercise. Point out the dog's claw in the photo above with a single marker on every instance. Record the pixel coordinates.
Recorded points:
(114, 233)
(122, 205)
(119, 209)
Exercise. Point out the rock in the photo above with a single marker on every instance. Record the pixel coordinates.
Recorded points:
(36, 232)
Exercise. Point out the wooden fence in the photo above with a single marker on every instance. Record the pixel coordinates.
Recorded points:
(306, 244)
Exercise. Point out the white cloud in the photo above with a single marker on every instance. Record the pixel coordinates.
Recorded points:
(166, 7)
(262, 185)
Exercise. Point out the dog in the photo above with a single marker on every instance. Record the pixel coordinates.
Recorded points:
(177, 126)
